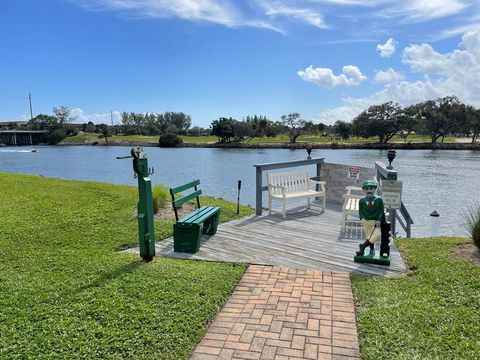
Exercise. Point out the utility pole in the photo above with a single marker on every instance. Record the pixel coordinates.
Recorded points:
(111, 116)
(30, 100)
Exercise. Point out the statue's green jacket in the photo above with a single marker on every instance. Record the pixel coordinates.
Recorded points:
(374, 212)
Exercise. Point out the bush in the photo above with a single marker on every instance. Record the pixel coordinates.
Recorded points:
(160, 196)
(55, 136)
(472, 218)
(170, 140)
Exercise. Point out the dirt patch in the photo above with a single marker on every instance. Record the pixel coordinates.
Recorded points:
(468, 252)
(167, 213)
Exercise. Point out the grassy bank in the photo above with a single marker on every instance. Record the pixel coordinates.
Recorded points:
(88, 138)
(67, 294)
(431, 313)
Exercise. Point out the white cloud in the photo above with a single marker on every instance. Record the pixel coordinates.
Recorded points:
(387, 76)
(387, 49)
(105, 118)
(324, 77)
(453, 73)
(308, 16)
(425, 10)
(216, 11)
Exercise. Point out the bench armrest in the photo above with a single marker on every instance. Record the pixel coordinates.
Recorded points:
(352, 188)
(321, 183)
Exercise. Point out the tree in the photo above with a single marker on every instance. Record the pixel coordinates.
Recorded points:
(104, 132)
(343, 129)
(63, 115)
(473, 121)
(441, 116)
(294, 125)
(384, 120)
(223, 129)
(43, 122)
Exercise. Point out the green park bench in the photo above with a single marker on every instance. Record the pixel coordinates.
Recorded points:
(187, 231)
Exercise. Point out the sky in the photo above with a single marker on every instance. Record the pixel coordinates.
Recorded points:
(325, 59)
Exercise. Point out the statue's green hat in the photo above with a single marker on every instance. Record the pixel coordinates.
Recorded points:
(369, 183)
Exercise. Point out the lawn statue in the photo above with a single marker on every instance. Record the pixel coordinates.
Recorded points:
(371, 213)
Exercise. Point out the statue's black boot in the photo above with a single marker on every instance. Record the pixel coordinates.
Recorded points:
(362, 247)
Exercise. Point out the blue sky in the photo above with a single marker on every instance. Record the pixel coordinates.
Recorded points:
(326, 59)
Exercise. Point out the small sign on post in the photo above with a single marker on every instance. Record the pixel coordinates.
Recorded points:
(391, 193)
(353, 172)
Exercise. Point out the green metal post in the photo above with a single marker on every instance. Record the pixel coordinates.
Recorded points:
(146, 235)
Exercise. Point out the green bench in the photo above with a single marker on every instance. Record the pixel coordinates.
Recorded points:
(188, 230)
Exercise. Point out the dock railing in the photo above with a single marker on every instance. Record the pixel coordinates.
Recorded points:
(259, 187)
(402, 215)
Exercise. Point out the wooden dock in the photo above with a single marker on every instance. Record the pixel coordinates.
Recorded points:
(306, 239)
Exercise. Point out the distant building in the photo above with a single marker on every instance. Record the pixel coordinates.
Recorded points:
(7, 124)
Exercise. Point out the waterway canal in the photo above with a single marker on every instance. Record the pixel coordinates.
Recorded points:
(447, 181)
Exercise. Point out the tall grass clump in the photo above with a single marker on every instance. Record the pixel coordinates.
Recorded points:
(472, 218)
(160, 196)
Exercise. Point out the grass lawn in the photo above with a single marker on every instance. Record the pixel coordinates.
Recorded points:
(280, 139)
(67, 294)
(431, 313)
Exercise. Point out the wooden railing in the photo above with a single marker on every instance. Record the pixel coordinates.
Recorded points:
(402, 214)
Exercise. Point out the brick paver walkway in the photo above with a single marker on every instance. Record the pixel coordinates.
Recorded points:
(281, 313)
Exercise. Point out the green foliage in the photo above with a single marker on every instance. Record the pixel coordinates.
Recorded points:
(433, 312)
(154, 123)
(294, 125)
(66, 292)
(170, 140)
(160, 196)
(104, 132)
(343, 129)
(472, 218)
(53, 137)
(223, 129)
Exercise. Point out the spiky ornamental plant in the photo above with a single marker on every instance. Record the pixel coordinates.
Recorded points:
(472, 224)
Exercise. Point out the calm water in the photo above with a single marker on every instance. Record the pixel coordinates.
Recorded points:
(447, 181)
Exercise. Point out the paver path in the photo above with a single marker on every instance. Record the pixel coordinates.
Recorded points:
(281, 313)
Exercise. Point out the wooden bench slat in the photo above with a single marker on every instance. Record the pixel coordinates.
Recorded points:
(186, 198)
(180, 188)
(201, 216)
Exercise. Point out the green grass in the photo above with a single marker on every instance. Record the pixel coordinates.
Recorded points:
(431, 313)
(280, 139)
(66, 293)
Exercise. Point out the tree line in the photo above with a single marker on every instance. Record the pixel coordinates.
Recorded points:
(433, 118)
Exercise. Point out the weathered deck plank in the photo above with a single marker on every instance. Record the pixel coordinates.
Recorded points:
(306, 239)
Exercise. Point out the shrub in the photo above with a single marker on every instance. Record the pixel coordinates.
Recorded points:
(170, 140)
(160, 196)
(55, 136)
(472, 218)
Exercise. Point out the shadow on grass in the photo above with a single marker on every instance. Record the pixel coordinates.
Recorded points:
(105, 278)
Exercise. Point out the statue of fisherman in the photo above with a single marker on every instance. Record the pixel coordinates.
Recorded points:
(370, 209)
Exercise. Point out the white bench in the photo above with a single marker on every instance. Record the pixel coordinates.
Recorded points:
(350, 208)
(295, 185)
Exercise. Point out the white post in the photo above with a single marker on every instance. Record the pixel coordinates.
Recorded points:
(434, 223)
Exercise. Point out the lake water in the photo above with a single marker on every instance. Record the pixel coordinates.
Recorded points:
(447, 181)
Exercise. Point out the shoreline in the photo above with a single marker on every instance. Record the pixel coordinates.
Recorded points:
(364, 146)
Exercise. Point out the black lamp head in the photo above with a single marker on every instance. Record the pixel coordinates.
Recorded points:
(391, 155)
(309, 151)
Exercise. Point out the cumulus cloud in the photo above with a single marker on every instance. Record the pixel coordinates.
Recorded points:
(452, 73)
(387, 49)
(387, 76)
(105, 118)
(351, 75)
